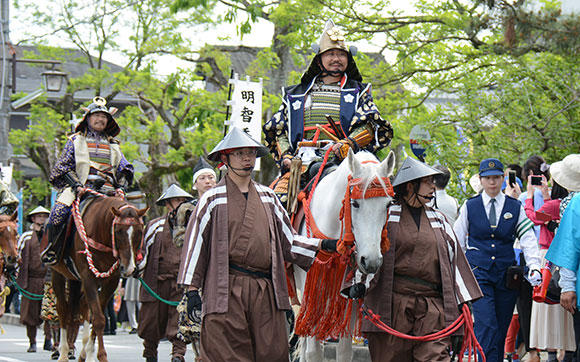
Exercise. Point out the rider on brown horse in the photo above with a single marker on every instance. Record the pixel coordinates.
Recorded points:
(91, 157)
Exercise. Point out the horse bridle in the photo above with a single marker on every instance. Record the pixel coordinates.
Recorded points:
(354, 191)
(127, 221)
(6, 224)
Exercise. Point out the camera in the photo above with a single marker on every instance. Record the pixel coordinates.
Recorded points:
(537, 180)
(511, 177)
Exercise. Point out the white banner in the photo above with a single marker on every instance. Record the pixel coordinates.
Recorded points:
(6, 174)
(246, 106)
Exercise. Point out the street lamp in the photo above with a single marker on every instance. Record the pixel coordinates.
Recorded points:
(53, 80)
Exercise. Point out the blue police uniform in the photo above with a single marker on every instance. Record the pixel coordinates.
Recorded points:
(486, 229)
(490, 254)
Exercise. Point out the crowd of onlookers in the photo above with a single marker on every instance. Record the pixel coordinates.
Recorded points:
(544, 191)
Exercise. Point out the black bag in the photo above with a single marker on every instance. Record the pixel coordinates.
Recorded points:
(514, 277)
(554, 290)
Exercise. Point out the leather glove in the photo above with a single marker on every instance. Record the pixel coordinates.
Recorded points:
(10, 269)
(357, 291)
(72, 180)
(137, 273)
(329, 245)
(535, 277)
(193, 306)
(456, 344)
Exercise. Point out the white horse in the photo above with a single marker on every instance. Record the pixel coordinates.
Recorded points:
(369, 216)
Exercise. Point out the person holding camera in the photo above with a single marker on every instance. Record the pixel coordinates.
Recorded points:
(563, 250)
(551, 327)
(487, 227)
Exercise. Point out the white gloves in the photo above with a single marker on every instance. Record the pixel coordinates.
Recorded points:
(534, 277)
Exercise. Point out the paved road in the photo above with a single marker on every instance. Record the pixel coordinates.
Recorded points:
(123, 347)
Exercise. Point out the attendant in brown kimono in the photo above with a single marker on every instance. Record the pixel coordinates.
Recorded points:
(237, 243)
(31, 277)
(160, 266)
(424, 275)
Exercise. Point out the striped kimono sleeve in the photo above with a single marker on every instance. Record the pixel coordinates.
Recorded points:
(196, 244)
(528, 241)
(466, 286)
(296, 249)
(153, 227)
(23, 240)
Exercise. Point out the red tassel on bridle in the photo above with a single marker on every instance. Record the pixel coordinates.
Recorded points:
(354, 191)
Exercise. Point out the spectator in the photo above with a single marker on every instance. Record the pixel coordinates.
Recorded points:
(534, 166)
(551, 327)
(131, 301)
(564, 250)
(443, 202)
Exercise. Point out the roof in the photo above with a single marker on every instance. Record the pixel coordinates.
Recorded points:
(242, 56)
(29, 78)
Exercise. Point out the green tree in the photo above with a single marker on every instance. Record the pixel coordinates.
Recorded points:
(173, 122)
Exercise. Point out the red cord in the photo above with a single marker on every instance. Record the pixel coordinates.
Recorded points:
(470, 342)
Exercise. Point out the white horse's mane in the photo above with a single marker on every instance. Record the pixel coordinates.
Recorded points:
(368, 171)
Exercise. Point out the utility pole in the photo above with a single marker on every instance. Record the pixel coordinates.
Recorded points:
(5, 69)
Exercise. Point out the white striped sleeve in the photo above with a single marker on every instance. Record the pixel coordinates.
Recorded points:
(22, 241)
(149, 239)
(528, 241)
(196, 238)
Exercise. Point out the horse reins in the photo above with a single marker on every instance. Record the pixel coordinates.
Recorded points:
(95, 245)
(470, 343)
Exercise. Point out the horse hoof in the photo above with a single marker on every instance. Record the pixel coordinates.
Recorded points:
(55, 355)
(32, 348)
(71, 355)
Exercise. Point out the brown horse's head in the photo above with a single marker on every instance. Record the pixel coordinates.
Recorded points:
(127, 236)
(9, 239)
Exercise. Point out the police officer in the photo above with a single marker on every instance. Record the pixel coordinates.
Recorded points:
(487, 227)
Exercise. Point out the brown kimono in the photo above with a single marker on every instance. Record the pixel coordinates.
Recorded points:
(31, 278)
(423, 278)
(161, 262)
(236, 249)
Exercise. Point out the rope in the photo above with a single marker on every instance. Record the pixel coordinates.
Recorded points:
(470, 343)
(157, 296)
(83, 235)
(306, 205)
(26, 293)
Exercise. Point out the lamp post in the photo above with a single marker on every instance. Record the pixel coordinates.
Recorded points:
(53, 80)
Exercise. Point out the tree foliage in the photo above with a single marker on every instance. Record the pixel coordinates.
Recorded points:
(506, 74)
(172, 123)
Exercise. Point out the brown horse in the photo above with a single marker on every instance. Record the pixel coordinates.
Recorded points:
(110, 249)
(9, 251)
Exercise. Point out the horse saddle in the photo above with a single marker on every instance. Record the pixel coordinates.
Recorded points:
(64, 237)
(308, 173)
